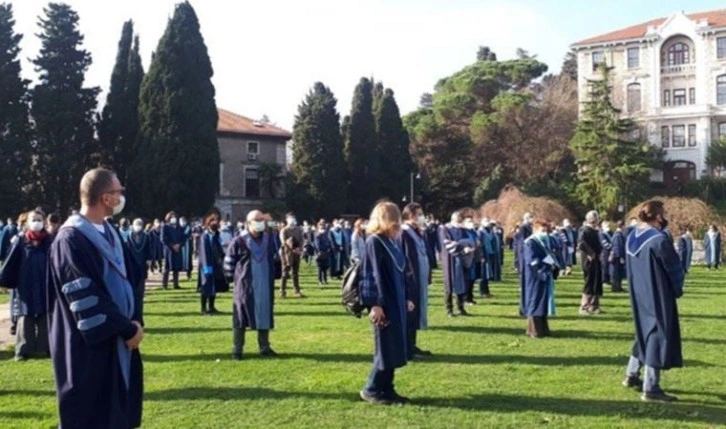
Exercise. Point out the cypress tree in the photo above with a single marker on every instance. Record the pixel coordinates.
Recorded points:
(177, 164)
(15, 149)
(361, 154)
(62, 109)
(318, 167)
(118, 127)
(392, 138)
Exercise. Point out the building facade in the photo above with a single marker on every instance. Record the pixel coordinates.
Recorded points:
(253, 163)
(669, 74)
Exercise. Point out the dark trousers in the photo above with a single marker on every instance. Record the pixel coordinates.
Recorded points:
(496, 269)
(165, 279)
(238, 339)
(32, 336)
(291, 268)
(449, 301)
(380, 383)
(322, 274)
(484, 282)
(411, 340)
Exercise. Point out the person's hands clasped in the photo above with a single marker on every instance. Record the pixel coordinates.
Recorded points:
(377, 316)
(135, 341)
(411, 306)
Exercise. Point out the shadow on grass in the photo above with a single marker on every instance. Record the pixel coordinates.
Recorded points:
(185, 330)
(556, 333)
(581, 407)
(27, 392)
(238, 393)
(23, 415)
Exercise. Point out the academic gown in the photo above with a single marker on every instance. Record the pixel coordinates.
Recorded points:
(6, 236)
(171, 235)
(524, 232)
(607, 246)
(324, 249)
(499, 235)
(187, 249)
(452, 260)
(384, 283)
(685, 251)
(85, 325)
(338, 256)
(211, 279)
(713, 249)
(475, 270)
(432, 245)
(656, 280)
(156, 249)
(537, 293)
(617, 256)
(249, 262)
(589, 245)
(414, 248)
(25, 271)
(139, 247)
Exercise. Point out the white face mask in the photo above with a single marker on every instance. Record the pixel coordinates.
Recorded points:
(183, 223)
(291, 221)
(421, 220)
(469, 224)
(120, 206)
(172, 221)
(36, 225)
(137, 228)
(258, 226)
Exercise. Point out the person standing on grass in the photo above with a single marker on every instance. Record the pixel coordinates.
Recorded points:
(539, 267)
(292, 248)
(186, 248)
(172, 237)
(139, 247)
(617, 257)
(712, 245)
(606, 241)
(384, 289)
(685, 249)
(454, 251)
(211, 278)
(414, 248)
(323, 252)
(358, 241)
(656, 280)
(24, 271)
(157, 249)
(95, 319)
(249, 262)
(590, 248)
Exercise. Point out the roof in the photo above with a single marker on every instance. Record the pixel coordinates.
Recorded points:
(715, 18)
(237, 124)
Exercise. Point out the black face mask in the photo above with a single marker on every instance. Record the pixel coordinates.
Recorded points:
(214, 227)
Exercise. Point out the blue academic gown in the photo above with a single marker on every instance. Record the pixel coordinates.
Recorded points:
(499, 235)
(171, 235)
(211, 279)
(186, 249)
(656, 280)
(524, 232)
(139, 247)
(713, 249)
(617, 256)
(156, 249)
(86, 327)
(452, 260)
(685, 251)
(414, 248)
(6, 236)
(338, 256)
(25, 271)
(249, 262)
(607, 246)
(537, 297)
(324, 249)
(384, 284)
(432, 244)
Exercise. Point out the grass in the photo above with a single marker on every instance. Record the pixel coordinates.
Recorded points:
(485, 372)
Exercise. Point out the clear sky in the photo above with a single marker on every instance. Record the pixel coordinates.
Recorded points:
(267, 54)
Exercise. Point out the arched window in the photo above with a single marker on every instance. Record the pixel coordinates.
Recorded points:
(679, 53)
(634, 98)
(721, 90)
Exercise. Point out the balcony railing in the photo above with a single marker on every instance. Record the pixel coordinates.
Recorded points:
(678, 69)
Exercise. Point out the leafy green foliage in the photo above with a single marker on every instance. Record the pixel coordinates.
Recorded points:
(177, 162)
(361, 152)
(392, 140)
(62, 109)
(716, 157)
(611, 161)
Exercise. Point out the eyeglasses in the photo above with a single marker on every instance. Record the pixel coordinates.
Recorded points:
(116, 191)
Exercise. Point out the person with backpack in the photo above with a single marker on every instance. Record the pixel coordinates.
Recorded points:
(323, 251)
(383, 288)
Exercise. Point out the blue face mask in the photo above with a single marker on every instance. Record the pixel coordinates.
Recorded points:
(542, 235)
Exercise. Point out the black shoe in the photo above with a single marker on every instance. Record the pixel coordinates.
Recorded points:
(213, 311)
(398, 399)
(204, 312)
(463, 312)
(449, 314)
(658, 397)
(418, 351)
(633, 382)
(375, 400)
(177, 287)
(237, 356)
(268, 352)
(20, 358)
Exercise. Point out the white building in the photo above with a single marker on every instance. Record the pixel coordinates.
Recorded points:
(669, 74)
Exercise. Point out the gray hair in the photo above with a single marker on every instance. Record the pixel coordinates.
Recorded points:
(592, 217)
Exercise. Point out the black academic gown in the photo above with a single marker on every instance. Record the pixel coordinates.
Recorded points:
(656, 277)
(89, 383)
(171, 235)
(411, 252)
(590, 248)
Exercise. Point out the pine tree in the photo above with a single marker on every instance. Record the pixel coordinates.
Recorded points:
(119, 125)
(361, 155)
(177, 164)
(318, 167)
(394, 157)
(612, 164)
(15, 149)
(569, 66)
(62, 109)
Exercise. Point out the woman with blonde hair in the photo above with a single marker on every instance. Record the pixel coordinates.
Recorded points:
(383, 289)
(358, 241)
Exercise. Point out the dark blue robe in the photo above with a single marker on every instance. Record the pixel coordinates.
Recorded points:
(338, 255)
(253, 297)
(139, 247)
(685, 251)
(90, 385)
(499, 234)
(211, 279)
(432, 244)
(571, 236)
(384, 284)
(414, 249)
(323, 249)
(618, 254)
(538, 279)
(187, 248)
(656, 279)
(607, 245)
(452, 260)
(6, 236)
(25, 271)
(713, 249)
(156, 248)
(171, 235)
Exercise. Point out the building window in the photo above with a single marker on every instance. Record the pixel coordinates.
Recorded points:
(679, 97)
(679, 136)
(721, 90)
(721, 47)
(252, 183)
(634, 97)
(635, 134)
(722, 130)
(679, 53)
(667, 98)
(665, 136)
(633, 58)
(597, 58)
(692, 96)
(253, 148)
(221, 179)
(692, 135)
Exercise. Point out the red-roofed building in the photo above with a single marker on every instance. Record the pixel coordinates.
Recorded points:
(249, 152)
(669, 74)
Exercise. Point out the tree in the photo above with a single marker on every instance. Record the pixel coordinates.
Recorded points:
(177, 165)
(569, 66)
(716, 157)
(485, 54)
(62, 109)
(426, 101)
(394, 157)
(611, 162)
(361, 155)
(15, 148)
(318, 167)
(118, 127)
(270, 177)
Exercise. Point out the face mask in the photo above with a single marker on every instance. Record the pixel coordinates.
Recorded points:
(258, 226)
(337, 227)
(35, 225)
(172, 221)
(469, 224)
(137, 228)
(214, 226)
(542, 235)
(421, 220)
(183, 223)
(120, 206)
(272, 224)
(291, 221)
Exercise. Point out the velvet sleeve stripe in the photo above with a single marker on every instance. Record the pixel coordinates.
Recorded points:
(84, 303)
(91, 322)
(76, 285)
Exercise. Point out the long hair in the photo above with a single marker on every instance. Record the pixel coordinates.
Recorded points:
(385, 219)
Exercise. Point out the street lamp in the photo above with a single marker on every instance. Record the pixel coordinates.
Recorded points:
(416, 176)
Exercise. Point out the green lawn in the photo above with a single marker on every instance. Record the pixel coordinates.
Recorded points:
(485, 372)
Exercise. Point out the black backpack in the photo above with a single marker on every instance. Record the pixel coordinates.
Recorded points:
(351, 290)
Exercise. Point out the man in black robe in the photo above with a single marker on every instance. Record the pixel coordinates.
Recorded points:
(95, 323)
(590, 248)
(656, 280)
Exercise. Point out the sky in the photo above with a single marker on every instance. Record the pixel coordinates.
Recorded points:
(267, 54)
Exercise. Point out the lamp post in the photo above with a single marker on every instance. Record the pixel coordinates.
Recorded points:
(416, 176)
